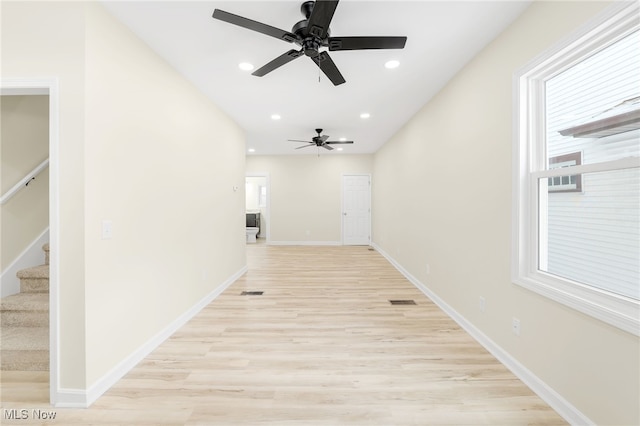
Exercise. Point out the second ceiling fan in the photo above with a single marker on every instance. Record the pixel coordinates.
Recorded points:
(320, 141)
(311, 34)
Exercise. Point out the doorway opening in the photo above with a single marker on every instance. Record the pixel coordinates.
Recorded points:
(47, 174)
(257, 211)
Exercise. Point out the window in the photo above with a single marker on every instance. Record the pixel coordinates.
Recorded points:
(576, 236)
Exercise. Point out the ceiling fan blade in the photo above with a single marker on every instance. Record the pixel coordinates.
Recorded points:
(324, 61)
(338, 142)
(327, 147)
(298, 140)
(324, 138)
(285, 58)
(254, 25)
(321, 16)
(363, 43)
(306, 146)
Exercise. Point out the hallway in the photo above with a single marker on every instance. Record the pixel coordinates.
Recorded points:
(321, 345)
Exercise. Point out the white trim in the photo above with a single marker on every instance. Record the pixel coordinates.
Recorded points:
(71, 398)
(50, 86)
(54, 241)
(32, 255)
(24, 181)
(78, 398)
(305, 243)
(563, 407)
(267, 208)
(624, 13)
(368, 175)
(22, 91)
(529, 165)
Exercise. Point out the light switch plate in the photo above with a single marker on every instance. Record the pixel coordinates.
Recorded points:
(107, 229)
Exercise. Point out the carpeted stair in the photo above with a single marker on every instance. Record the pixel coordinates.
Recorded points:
(24, 321)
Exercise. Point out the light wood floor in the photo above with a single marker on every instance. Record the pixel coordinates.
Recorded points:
(322, 346)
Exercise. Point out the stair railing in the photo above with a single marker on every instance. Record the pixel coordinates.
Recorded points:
(24, 182)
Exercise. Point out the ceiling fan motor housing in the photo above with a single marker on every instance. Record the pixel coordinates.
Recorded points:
(311, 38)
(318, 139)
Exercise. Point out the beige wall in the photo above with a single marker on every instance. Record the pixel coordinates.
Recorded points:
(24, 144)
(161, 164)
(458, 147)
(305, 198)
(139, 146)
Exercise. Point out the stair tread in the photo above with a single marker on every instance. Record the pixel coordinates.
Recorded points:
(40, 271)
(24, 338)
(25, 302)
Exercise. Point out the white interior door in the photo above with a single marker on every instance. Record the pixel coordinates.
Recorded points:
(356, 209)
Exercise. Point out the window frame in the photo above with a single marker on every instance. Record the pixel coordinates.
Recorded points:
(530, 165)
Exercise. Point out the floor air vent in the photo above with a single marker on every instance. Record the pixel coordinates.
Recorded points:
(402, 302)
(251, 293)
(370, 249)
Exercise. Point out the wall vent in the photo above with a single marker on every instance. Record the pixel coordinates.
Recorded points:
(251, 293)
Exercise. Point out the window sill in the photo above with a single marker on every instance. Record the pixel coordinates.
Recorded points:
(618, 311)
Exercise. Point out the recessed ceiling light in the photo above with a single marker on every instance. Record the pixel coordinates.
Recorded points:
(392, 64)
(275, 117)
(343, 139)
(339, 149)
(252, 150)
(365, 115)
(245, 66)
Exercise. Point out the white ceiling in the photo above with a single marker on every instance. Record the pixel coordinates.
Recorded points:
(442, 37)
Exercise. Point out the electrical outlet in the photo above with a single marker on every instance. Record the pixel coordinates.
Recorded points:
(483, 304)
(515, 326)
(308, 232)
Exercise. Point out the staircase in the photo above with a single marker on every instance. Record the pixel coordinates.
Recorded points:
(24, 321)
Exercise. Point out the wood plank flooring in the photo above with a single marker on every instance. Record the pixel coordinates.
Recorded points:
(321, 346)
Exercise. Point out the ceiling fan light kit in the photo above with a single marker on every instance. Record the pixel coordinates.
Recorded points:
(311, 34)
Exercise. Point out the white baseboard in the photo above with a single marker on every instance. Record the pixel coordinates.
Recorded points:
(304, 243)
(31, 256)
(563, 407)
(78, 398)
(70, 398)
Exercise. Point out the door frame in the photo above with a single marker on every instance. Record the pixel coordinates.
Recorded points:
(48, 86)
(368, 175)
(267, 208)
